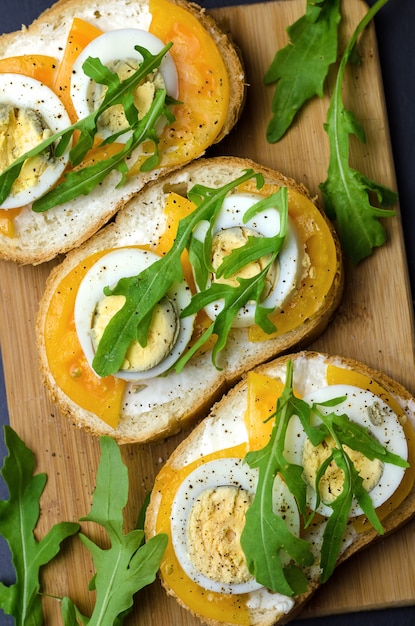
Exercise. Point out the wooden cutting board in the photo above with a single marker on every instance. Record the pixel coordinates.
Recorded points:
(374, 324)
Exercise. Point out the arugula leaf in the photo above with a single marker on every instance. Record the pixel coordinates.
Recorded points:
(144, 291)
(130, 563)
(18, 519)
(118, 92)
(358, 438)
(301, 67)
(265, 533)
(346, 192)
(337, 522)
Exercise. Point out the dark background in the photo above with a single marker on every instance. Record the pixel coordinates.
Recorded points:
(395, 29)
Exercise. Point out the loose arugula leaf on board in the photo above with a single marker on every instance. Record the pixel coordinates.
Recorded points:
(301, 67)
(18, 518)
(265, 533)
(118, 92)
(346, 192)
(129, 564)
(144, 291)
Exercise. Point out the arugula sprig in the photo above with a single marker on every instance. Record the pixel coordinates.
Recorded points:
(347, 192)
(248, 290)
(144, 291)
(301, 67)
(18, 518)
(345, 432)
(84, 180)
(264, 535)
(129, 564)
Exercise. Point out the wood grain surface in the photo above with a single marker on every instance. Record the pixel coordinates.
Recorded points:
(374, 324)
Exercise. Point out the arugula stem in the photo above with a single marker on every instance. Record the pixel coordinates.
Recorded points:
(337, 93)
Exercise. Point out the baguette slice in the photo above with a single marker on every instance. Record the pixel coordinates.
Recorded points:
(225, 428)
(40, 237)
(165, 405)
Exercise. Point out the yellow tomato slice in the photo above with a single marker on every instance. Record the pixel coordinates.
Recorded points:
(80, 35)
(203, 83)
(263, 392)
(38, 66)
(67, 362)
(6, 222)
(68, 365)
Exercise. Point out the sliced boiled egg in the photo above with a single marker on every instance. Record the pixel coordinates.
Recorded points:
(363, 407)
(168, 334)
(230, 232)
(30, 112)
(207, 519)
(116, 50)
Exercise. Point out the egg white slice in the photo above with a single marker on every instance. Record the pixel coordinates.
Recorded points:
(386, 428)
(265, 224)
(112, 46)
(117, 264)
(223, 472)
(23, 92)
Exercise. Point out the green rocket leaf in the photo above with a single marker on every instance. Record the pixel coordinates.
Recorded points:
(18, 519)
(129, 564)
(301, 67)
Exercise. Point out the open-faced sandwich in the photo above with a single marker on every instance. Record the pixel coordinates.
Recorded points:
(307, 460)
(95, 101)
(204, 274)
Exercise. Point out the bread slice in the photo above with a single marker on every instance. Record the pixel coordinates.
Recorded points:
(225, 429)
(39, 237)
(167, 404)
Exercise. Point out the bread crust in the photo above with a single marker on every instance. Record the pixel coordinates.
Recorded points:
(139, 222)
(234, 403)
(42, 237)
